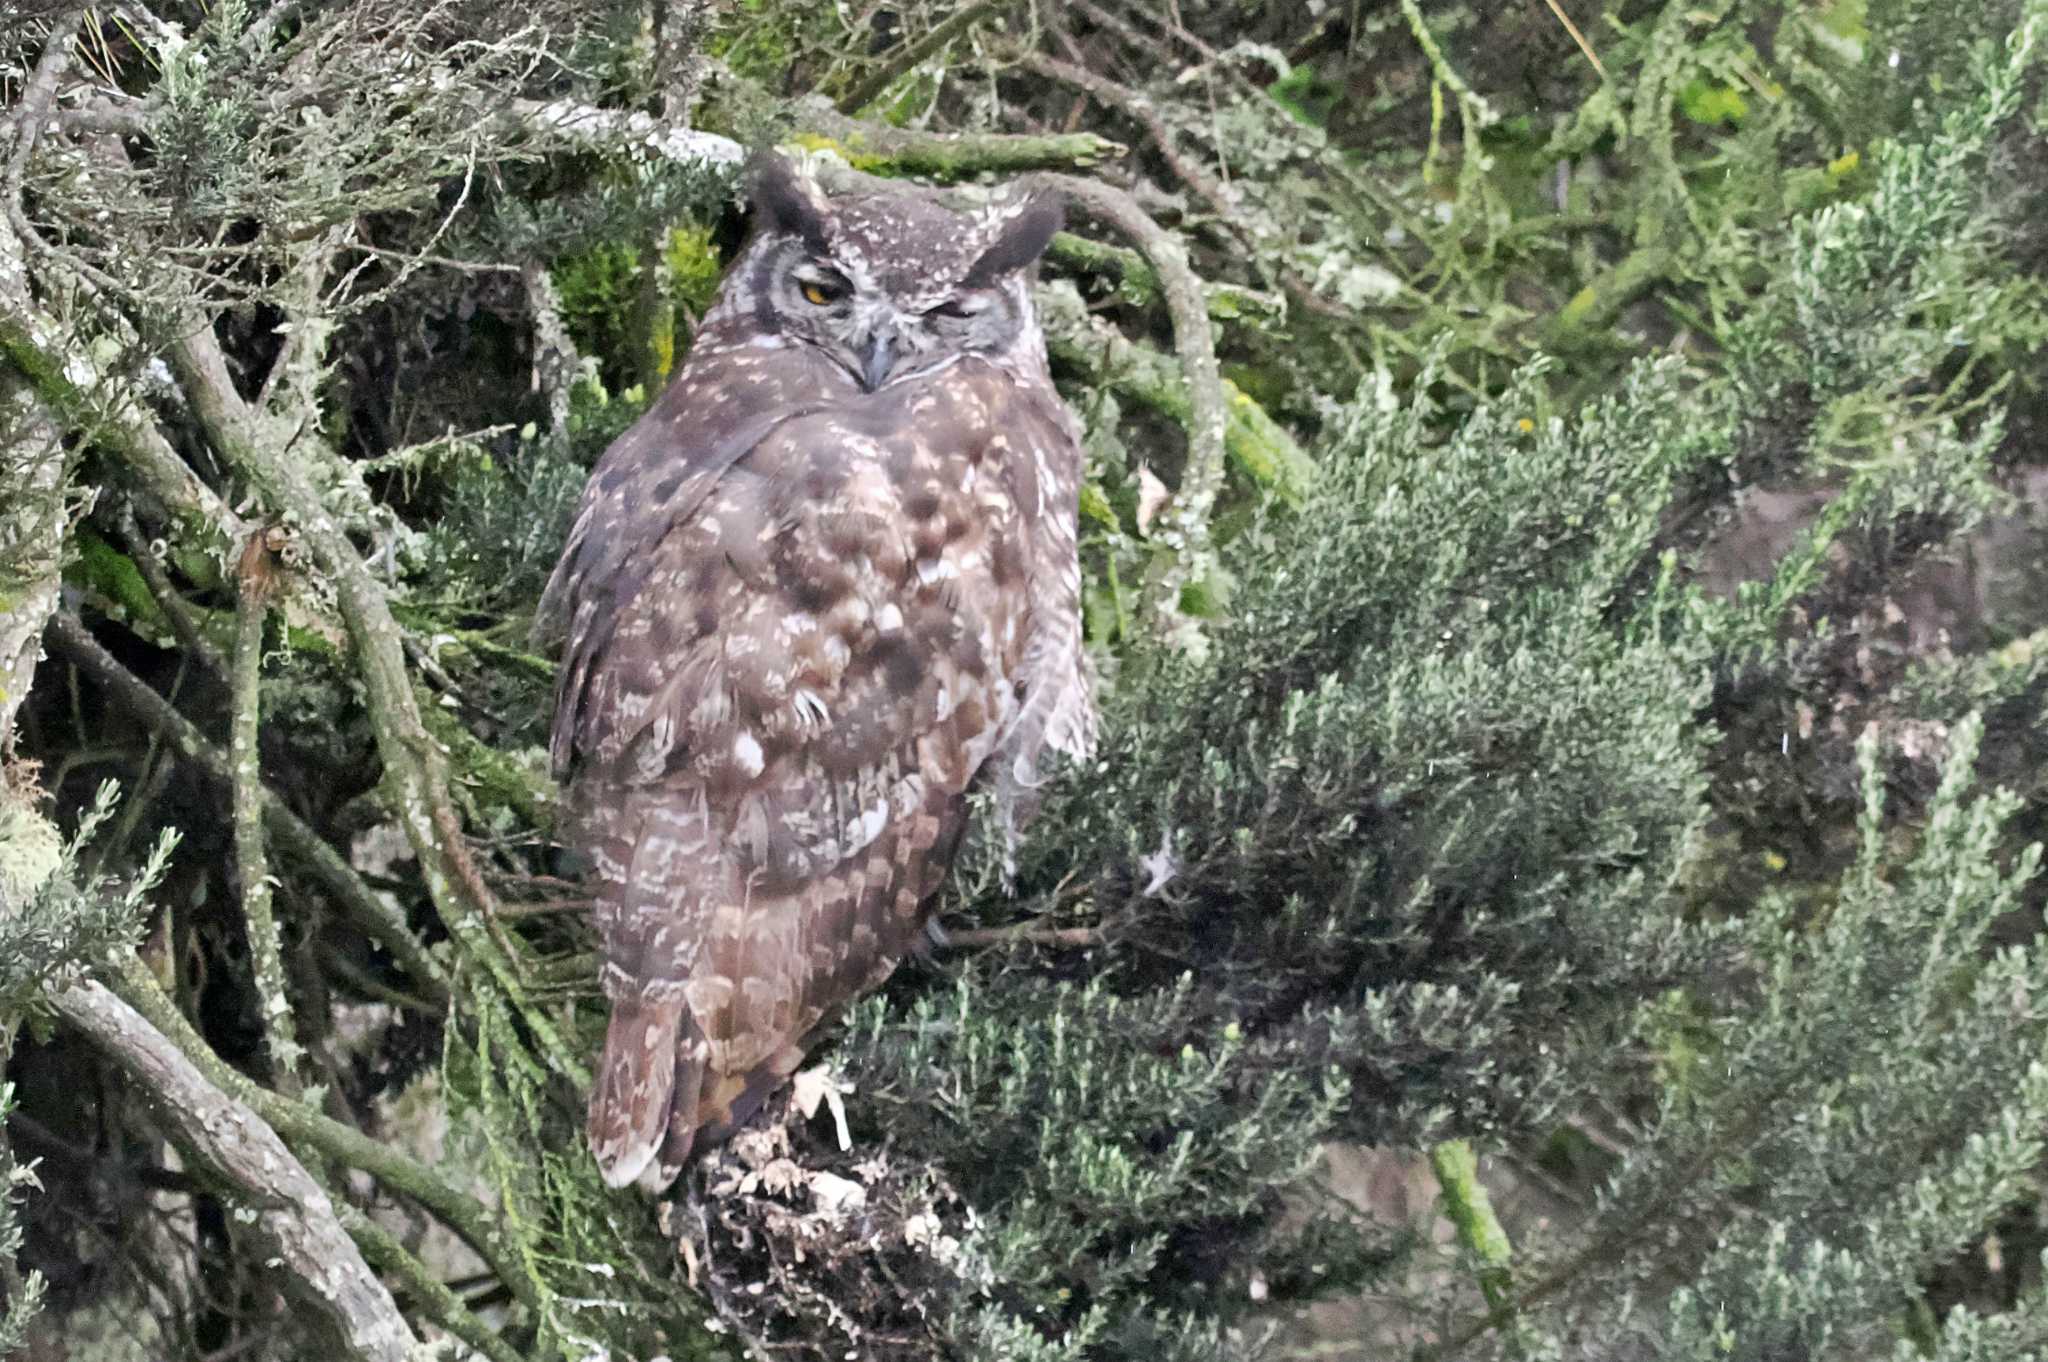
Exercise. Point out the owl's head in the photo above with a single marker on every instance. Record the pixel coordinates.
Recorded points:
(891, 285)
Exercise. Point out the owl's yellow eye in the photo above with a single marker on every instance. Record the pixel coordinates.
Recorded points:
(820, 293)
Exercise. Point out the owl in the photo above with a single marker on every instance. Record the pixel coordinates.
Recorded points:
(820, 591)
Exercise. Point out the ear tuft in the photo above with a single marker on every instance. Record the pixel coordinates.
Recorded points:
(783, 202)
(1021, 241)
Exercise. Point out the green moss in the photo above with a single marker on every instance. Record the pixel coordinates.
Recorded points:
(105, 572)
(848, 149)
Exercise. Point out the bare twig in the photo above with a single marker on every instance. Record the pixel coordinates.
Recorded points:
(1139, 110)
(1577, 37)
(287, 1211)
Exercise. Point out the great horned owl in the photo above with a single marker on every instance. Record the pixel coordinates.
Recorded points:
(822, 586)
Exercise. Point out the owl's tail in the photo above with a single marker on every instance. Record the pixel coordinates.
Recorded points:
(652, 1062)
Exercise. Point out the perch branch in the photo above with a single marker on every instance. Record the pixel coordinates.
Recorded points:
(288, 1211)
(346, 1145)
(377, 919)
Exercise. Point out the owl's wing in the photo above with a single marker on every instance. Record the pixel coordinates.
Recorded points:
(652, 479)
(811, 670)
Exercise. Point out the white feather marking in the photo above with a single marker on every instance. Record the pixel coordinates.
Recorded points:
(746, 751)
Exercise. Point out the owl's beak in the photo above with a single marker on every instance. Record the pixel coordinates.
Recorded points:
(878, 358)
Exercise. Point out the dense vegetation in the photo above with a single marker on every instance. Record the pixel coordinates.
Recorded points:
(1562, 875)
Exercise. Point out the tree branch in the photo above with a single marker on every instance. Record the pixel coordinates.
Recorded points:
(465, 1215)
(288, 1212)
(415, 769)
(252, 861)
(377, 919)
(1138, 282)
(1184, 525)
(435, 1300)
(36, 97)
(1257, 444)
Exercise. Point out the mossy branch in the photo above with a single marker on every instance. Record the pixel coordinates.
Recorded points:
(103, 407)
(252, 860)
(1595, 308)
(880, 149)
(1470, 1211)
(1138, 282)
(383, 1251)
(1256, 444)
(1184, 525)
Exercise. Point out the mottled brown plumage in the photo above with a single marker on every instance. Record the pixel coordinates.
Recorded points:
(821, 588)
